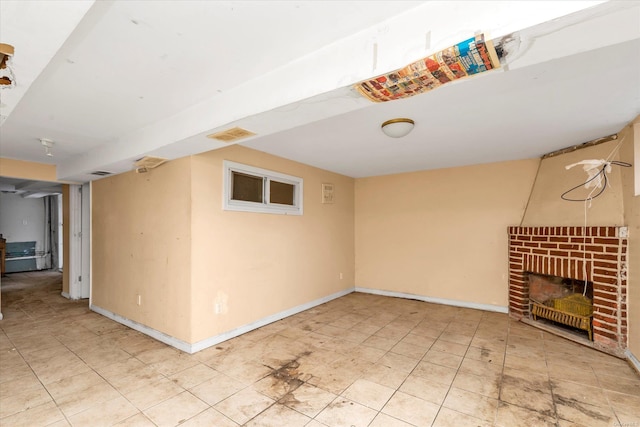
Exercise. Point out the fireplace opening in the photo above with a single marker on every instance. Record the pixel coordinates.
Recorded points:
(562, 302)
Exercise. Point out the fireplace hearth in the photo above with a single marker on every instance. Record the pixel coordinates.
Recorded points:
(593, 256)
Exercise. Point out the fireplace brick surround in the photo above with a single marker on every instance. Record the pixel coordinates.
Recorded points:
(572, 252)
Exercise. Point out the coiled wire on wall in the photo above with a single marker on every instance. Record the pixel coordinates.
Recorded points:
(601, 176)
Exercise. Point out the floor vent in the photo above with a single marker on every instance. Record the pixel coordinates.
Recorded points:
(231, 135)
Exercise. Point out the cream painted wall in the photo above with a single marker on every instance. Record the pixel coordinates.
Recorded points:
(255, 264)
(632, 220)
(636, 156)
(141, 245)
(441, 233)
(27, 170)
(546, 207)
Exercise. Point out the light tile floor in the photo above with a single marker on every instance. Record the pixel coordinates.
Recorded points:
(361, 360)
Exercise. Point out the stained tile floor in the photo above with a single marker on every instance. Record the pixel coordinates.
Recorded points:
(360, 360)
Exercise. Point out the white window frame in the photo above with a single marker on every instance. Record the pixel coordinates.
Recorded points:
(265, 207)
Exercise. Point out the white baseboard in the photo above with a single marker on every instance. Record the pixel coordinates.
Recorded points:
(443, 301)
(153, 333)
(66, 295)
(1, 316)
(217, 339)
(633, 359)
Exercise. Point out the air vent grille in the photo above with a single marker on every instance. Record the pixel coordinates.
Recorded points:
(231, 135)
(101, 173)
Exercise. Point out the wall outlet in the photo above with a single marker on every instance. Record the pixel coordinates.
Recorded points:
(139, 299)
(216, 308)
(340, 276)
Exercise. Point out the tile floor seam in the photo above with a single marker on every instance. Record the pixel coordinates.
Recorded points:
(504, 361)
(39, 380)
(196, 397)
(615, 413)
(456, 374)
(553, 398)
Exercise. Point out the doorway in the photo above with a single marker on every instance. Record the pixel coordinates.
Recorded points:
(46, 227)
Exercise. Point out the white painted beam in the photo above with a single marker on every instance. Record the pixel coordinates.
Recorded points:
(328, 72)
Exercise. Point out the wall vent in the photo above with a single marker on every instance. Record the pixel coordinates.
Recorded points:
(148, 162)
(231, 135)
(101, 173)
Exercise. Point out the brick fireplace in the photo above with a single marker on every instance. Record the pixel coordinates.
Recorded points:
(595, 254)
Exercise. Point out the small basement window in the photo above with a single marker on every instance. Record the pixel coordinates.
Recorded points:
(251, 189)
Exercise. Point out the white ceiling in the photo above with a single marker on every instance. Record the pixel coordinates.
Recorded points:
(112, 81)
(29, 189)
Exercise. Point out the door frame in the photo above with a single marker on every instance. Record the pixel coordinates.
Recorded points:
(79, 262)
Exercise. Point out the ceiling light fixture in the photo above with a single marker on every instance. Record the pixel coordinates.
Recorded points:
(397, 128)
(47, 144)
(7, 79)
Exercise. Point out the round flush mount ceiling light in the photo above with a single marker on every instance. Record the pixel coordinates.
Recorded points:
(397, 128)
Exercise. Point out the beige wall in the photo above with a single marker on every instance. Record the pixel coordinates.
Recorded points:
(163, 235)
(141, 245)
(28, 170)
(255, 264)
(632, 220)
(441, 233)
(546, 207)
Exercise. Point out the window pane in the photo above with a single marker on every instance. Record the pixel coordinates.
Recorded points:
(281, 193)
(247, 187)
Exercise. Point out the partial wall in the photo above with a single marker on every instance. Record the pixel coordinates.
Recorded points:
(27, 170)
(248, 266)
(141, 247)
(617, 206)
(629, 152)
(441, 234)
(547, 208)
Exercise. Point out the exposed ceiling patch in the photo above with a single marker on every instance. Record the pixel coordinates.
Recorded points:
(231, 135)
(150, 162)
(469, 57)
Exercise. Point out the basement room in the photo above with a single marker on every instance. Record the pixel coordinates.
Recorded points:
(319, 213)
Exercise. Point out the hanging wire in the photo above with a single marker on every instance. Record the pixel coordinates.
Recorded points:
(601, 176)
(587, 203)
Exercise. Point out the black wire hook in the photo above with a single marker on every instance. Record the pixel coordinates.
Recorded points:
(602, 172)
